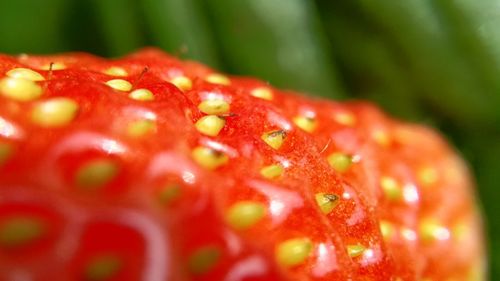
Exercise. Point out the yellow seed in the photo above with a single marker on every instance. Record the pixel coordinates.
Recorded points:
(25, 73)
(210, 125)
(209, 158)
(18, 231)
(345, 118)
(23, 57)
(142, 95)
(182, 82)
(53, 66)
(340, 161)
(55, 112)
(381, 137)
(169, 193)
(217, 78)
(262, 93)
(454, 170)
(102, 268)
(203, 260)
(119, 84)
(116, 71)
(387, 229)
(461, 231)
(391, 188)
(355, 250)
(431, 230)
(326, 202)
(274, 139)
(427, 176)
(20, 89)
(272, 171)
(293, 252)
(478, 270)
(307, 124)
(5, 152)
(245, 214)
(141, 128)
(214, 106)
(406, 135)
(96, 173)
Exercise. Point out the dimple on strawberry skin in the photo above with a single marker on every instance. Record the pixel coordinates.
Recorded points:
(152, 168)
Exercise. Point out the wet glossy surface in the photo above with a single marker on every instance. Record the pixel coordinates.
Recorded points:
(161, 201)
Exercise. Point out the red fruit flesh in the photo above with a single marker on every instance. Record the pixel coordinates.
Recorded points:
(174, 172)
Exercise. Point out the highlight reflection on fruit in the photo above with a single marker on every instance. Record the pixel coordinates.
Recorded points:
(152, 168)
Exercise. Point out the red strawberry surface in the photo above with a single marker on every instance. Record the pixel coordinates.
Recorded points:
(152, 168)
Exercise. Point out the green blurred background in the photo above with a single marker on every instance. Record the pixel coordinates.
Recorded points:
(431, 61)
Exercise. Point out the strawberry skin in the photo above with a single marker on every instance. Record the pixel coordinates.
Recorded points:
(152, 168)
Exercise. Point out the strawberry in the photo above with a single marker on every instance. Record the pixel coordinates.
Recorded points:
(152, 168)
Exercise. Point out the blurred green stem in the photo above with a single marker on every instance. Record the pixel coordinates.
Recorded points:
(446, 78)
(180, 27)
(372, 71)
(474, 25)
(120, 25)
(280, 41)
(32, 26)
